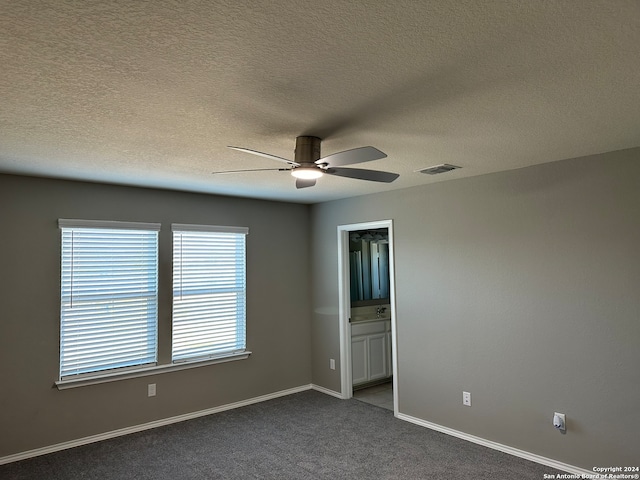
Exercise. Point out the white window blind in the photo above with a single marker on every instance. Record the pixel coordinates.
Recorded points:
(209, 291)
(109, 295)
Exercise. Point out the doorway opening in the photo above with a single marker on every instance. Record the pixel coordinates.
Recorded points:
(368, 352)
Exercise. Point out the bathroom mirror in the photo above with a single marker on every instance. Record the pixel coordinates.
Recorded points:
(369, 267)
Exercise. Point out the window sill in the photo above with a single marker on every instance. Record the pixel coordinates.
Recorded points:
(143, 372)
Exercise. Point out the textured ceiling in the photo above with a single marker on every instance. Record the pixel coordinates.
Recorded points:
(151, 92)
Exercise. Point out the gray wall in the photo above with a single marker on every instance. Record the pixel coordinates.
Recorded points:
(522, 287)
(33, 413)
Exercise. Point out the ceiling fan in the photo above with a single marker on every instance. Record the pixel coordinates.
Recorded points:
(308, 166)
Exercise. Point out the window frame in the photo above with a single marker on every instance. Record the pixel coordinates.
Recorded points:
(212, 282)
(114, 268)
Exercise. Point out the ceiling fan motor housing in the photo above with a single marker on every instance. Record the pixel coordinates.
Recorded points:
(307, 151)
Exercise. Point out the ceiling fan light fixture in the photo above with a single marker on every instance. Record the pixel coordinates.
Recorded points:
(306, 173)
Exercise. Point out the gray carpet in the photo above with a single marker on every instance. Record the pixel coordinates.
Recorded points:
(303, 436)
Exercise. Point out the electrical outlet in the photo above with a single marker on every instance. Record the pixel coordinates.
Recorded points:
(559, 421)
(332, 364)
(466, 399)
(151, 390)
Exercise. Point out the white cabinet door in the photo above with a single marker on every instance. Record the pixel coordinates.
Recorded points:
(359, 357)
(377, 344)
(370, 352)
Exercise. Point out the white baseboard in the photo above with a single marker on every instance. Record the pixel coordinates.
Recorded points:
(498, 446)
(326, 391)
(147, 426)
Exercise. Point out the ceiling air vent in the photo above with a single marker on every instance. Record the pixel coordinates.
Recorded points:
(445, 167)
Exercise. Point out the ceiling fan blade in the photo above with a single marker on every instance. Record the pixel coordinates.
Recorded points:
(265, 155)
(305, 182)
(355, 155)
(362, 174)
(253, 170)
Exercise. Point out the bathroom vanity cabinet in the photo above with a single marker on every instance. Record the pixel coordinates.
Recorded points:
(370, 351)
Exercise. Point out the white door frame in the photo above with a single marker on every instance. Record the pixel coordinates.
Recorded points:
(344, 306)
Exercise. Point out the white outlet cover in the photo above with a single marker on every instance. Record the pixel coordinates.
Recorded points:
(562, 421)
(466, 399)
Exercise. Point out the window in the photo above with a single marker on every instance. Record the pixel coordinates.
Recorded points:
(109, 299)
(109, 296)
(209, 290)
